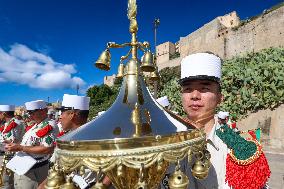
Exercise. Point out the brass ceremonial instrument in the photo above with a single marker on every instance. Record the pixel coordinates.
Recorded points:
(136, 140)
(3, 169)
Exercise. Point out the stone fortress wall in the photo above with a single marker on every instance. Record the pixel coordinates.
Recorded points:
(109, 80)
(227, 36)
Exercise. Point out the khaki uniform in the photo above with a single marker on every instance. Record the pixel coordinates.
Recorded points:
(41, 134)
(12, 130)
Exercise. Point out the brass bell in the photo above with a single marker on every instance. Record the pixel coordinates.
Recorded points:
(55, 178)
(69, 184)
(154, 76)
(120, 72)
(199, 170)
(99, 185)
(103, 62)
(147, 62)
(178, 180)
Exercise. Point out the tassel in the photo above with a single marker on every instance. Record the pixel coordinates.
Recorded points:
(251, 176)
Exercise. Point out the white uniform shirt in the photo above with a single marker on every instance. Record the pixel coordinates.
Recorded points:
(32, 139)
(217, 172)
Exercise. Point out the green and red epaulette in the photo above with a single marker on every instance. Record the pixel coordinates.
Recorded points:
(2, 128)
(61, 134)
(28, 127)
(44, 130)
(246, 164)
(11, 126)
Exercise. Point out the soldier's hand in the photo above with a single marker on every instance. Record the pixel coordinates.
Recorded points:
(7, 141)
(13, 147)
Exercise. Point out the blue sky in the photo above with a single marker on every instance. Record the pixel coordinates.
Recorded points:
(47, 47)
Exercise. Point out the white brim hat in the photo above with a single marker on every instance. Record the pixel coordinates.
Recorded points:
(221, 115)
(35, 105)
(163, 101)
(227, 114)
(75, 102)
(201, 66)
(7, 108)
(50, 111)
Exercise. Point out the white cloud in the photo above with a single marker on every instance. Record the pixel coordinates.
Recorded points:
(24, 66)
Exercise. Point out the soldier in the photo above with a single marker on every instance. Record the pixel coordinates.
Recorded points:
(38, 142)
(201, 94)
(50, 114)
(11, 131)
(222, 118)
(74, 113)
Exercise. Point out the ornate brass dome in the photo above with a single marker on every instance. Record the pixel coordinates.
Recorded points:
(135, 140)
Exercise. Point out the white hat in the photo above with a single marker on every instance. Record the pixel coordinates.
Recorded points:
(101, 113)
(227, 114)
(222, 115)
(201, 66)
(50, 111)
(163, 101)
(7, 108)
(75, 102)
(35, 105)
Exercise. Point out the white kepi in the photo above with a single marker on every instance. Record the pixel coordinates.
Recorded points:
(227, 114)
(7, 108)
(35, 105)
(222, 115)
(201, 66)
(163, 101)
(75, 102)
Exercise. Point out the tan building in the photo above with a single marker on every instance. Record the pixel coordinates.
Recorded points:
(109, 80)
(164, 51)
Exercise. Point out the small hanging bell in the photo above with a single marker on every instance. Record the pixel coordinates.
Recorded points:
(99, 185)
(199, 170)
(147, 62)
(120, 72)
(55, 178)
(178, 180)
(103, 62)
(154, 76)
(69, 184)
